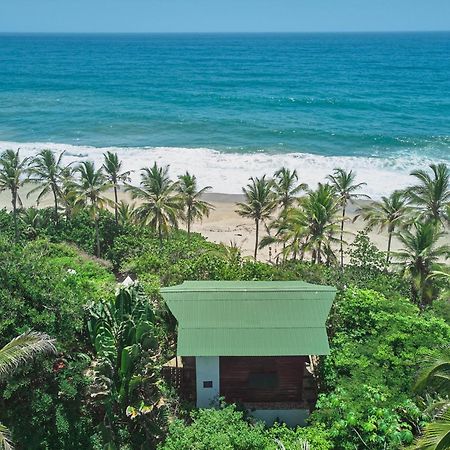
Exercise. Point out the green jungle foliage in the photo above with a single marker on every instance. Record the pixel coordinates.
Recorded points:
(227, 429)
(104, 389)
(377, 346)
(45, 287)
(126, 339)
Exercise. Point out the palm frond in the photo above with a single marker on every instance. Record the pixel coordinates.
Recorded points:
(5, 438)
(436, 435)
(432, 194)
(436, 374)
(22, 349)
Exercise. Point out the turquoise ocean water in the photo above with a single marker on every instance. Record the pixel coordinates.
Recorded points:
(231, 106)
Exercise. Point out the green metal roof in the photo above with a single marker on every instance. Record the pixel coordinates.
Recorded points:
(201, 286)
(250, 318)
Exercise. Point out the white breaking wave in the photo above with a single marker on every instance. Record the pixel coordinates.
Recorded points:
(227, 172)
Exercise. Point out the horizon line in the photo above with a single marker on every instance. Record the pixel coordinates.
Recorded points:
(230, 32)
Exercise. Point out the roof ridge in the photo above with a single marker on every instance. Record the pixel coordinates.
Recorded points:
(252, 328)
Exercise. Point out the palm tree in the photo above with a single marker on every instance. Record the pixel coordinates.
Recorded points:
(259, 203)
(89, 191)
(32, 221)
(389, 212)
(126, 213)
(46, 171)
(113, 167)
(195, 208)
(436, 434)
(345, 186)
(279, 237)
(16, 353)
(67, 192)
(419, 258)
(12, 177)
(291, 231)
(286, 190)
(161, 203)
(318, 216)
(286, 187)
(432, 194)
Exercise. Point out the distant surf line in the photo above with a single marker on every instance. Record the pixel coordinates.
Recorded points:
(228, 172)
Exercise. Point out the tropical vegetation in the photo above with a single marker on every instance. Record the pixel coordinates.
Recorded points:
(260, 202)
(383, 386)
(19, 352)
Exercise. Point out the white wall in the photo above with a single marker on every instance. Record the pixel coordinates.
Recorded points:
(207, 370)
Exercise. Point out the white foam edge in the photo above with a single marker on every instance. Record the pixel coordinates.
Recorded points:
(226, 172)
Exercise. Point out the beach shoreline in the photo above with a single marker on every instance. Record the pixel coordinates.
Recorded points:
(226, 171)
(224, 225)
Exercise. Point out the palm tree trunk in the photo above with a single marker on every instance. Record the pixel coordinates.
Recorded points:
(256, 238)
(97, 238)
(341, 250)
(55, 198)
(14, 207)
(116, 199)
(160, 236)
(189, 223)
(388, 253)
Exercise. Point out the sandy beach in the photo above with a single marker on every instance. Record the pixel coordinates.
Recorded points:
(225, 225)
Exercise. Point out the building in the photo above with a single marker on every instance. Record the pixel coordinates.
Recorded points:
(250, 342)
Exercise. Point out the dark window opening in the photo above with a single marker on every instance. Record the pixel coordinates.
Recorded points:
(266, 380)
(207, 384)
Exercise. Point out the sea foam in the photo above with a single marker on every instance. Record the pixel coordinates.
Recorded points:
(226, 172)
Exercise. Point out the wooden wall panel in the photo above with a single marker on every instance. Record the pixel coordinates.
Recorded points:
(237, 371)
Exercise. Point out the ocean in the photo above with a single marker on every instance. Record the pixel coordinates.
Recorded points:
(230, 106)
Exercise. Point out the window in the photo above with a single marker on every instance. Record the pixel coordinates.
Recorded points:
(207, 384)
(265, 380)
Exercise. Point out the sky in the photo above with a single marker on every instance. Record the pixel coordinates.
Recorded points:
(223, 15)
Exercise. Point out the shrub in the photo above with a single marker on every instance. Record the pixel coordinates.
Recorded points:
(227, 428)
(222, 429)
(377, 346)
(363, 416)
(388, 338)
(45, 286)
(291, 439)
